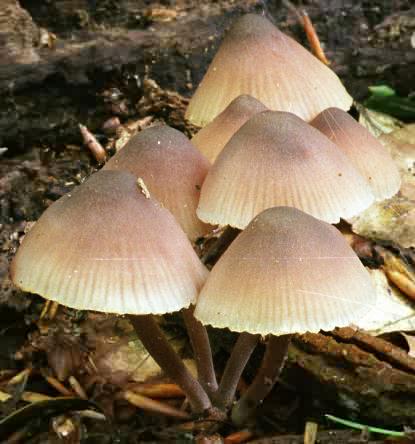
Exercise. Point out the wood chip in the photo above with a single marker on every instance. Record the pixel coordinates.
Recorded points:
(310, 432)
(142, 187)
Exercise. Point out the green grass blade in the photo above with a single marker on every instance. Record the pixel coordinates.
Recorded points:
(356, 425)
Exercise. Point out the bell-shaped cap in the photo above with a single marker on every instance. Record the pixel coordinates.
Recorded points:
(256, 58)
(286, 272)
(211, 139)
(278, 159)
(105, 246)
(172, 169)
(367, 154)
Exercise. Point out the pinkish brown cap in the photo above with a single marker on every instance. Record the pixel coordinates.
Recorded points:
(105, 246)
(278, 159)
(367, 154)
(211, 139)
(286, 272)
(172, 169)
(256, 58)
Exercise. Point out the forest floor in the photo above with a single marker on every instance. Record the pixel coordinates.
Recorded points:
(98, 66)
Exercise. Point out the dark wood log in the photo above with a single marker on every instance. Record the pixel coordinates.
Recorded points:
(361, 382)
(103, 51)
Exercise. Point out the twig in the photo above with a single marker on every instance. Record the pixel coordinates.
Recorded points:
(49, 310)
(155, 406)
(20, 377)
(53, 310)
(45, 309)
(164, 391)
(310, 432)
(92, 414)
(93, 145)
(57, 385)
(238, 437)
(310, 31)
(77, 387)
(313, 39)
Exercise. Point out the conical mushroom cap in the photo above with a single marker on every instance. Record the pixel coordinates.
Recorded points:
(211, 139)
(106, 247)
(367, 154)
(286, 272)
(278, 159)
(256, 58)
(172, 169)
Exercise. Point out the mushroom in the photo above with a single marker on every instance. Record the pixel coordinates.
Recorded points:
(286, 273)
(368, 155)
(276, 158)
(107, 246)
(211, 139)
(256, 58)
(172, 169)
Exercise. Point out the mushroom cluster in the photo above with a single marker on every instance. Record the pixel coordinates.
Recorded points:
(121, 241)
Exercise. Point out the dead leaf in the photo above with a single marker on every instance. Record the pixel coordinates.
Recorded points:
(376, 122)
(398, 272)
(401, 145)
(119, 356)
(394, 219)
(405, 134)
(393, 310)
(391, 220)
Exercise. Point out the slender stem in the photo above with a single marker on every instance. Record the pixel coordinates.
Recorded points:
(220, 245)
(160, 349)
(272, 364)
(202, 351)
(240, 355)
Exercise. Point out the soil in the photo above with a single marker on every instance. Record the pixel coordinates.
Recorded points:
(80, 61)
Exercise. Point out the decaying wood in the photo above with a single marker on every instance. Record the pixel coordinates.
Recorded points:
(349, 378)
(62, 84)
(90, 50)
(386, 351)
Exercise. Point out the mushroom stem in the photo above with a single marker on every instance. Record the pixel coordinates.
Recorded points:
(220, 245)
(240, 355)
(272, 364)
(202, 351)
(160, 349)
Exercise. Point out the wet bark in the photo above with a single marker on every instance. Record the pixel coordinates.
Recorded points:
(68, 61)
(354, 373)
